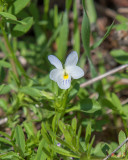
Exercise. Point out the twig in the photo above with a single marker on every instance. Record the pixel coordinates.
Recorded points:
(125, 101)
(126, 140)
(103, 75)
(123, 10)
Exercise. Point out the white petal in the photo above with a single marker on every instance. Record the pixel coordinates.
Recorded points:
(72, 59)
(75, 71)
(55, 74)
(64, 83)
(55, 61)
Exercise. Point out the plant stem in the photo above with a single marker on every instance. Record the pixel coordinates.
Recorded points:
(11, 56)
(10, 50)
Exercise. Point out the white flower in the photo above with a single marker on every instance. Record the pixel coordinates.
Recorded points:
(63, 75)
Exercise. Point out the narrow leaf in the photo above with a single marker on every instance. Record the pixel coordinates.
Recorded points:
(88, 135)
(40, 154)
(63, 38)
(64, 152)
(5, 64)
(45, 135)
(122, 138)
(20, 139)
(6, 141)
(90, 145)
(29, 129)
(17, 6)
(68, 4)
(20, 29)
(8, 16)
(85, 33)
(98, 43)
(5, 135)
(66, 133)
(33, 92)
(78, 137)
(74, 125)
(76, 33)
(120, 56)
(10, 155)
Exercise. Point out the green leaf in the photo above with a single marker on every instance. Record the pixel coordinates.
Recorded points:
(33, 92)
(85, 33)
(11, 18)
(90, 145)
(47, 153)
(116, 101)
(88, 135)
(125, 111)
(48, 95)
(5, 64)
(29, 129)
(66, 133)
(15, 21)
(64, 152)
(120, 56)
(74, 125)
(93, 71)
(78, 137)
(10, 155)
(76, 32)
(83, 156)
(98, 43)
(122, 26)
(107, 103)
(17, 6)
(56, 17)
(4, 104)
(101, 149)
(63, 38)
(122, 138)
(73, 91)
(5, 135)
(1, 87)
(8, 16)
(55, 122)
(20, 29)
(40, 154)
(121, 18)
(6, 141)
(20, 139)
(87, 105)
(4, 89)
(45, 134)
(91, 11)
(68, 4)
(60, 140)
(113, 102)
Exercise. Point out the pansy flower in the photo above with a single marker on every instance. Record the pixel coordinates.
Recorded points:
(63, 75)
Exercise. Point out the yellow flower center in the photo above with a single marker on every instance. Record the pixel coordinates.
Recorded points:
(66, 75)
